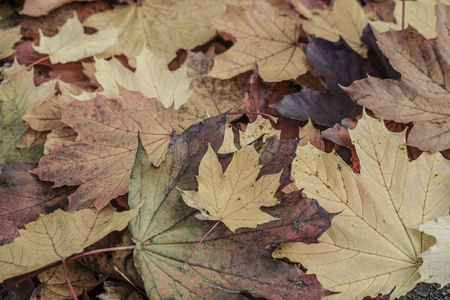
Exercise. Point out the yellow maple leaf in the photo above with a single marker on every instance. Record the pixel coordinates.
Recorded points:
(56, 236)
(372, 245)
(152, 78)
(265, 36)
(436, 259)
(233, 197)
(163, 27)
(8, 37)
(346, 19)
(72, 44)
(418, 14)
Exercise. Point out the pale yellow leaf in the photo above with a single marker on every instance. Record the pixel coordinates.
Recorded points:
(163, 27)
(419, 14)
(264, 36)
(233, 197)
(256, 129)
(346, 19)
(8, 37)
(56, 236)
(72, 44)
(152, 78)
(228, 145)
(372, 245)
(436, 260)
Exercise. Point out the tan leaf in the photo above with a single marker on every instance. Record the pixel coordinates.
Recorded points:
(37, 8)
(211, 96)
(56, 236)
(233, 197)
(372, 245)
(436, 259)
(309, 133)
(8, 37)
(152, 78)
(264, 36)
(422, 95)
(163, 27)
(346, 19)
(72, 44)
(418, 14)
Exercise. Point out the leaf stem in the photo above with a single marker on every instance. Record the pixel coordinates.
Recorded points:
(403, 14)
(198, 244)
(69, 284)
(100, 251)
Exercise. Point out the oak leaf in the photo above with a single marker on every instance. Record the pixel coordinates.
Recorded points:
(101, 157)
(166, 230)
(422, 95)
(264, 36)
(378, 211)
(72, 44)
(436, 259)
(234, 197)
(152, 78)
(163, 27)
(58, 235)
(346, 19)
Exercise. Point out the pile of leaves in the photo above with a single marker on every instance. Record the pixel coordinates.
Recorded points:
(303, 143)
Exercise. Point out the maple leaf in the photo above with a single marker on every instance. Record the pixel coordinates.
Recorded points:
(58, 235)
(8, 38)
(418, 14)
(436, 259)
(166, 230)
(163, 27)
(378, 211)
(340, 66)
(263, 36)
(37, 8)
(24, 196)
(101, 157)
(211, 96)
(18, 96)
(152, 78)
(346, 19)
(72, 44)
(233, 197)
(422, 95)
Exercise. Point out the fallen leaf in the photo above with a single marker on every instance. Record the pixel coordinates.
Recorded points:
(72, 44)
(101, 157)
(163, 27)
(340, 66)
(418, 14)
(8, 232)
(152, 78)
(345, 19)
(166, 230)
(263, 37)
(8, 38)
(37, 8)
(18, 96)
(309, 134)
(54, 286)
(117, 290)
(436, 259)
(233, 197)
(422, 94)
(211, 96)
(24, 196)
(58, 235)
(377, 212)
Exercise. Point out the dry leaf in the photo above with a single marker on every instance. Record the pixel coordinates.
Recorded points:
(37, 8)
(436, 259)
(422, 95)
(372, 245)
(72, 44)
(8, 37)
(263, 36)
(233, 197)
(58, 235)
(101, 157)
(346, 19)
